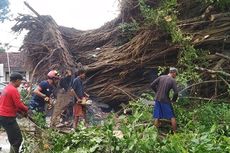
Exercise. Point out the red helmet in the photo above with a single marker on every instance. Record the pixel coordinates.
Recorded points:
(53, 74)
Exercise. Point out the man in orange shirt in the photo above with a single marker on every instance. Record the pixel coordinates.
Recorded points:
(10, 105)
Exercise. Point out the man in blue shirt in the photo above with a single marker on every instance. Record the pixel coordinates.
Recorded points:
(43, 91)
(79, 110)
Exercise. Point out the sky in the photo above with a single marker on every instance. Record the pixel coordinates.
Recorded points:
(79, 14)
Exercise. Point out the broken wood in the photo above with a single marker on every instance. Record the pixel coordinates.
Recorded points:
(220, 15)
(120, 71)
(199, 83)
(35, 12)
(213, 71)
(223, 56)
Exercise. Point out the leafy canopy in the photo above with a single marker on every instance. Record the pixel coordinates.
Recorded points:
(4, 9)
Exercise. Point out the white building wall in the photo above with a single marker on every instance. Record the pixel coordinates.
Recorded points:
(2, 74)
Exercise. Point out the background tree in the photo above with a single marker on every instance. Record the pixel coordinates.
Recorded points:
(4, 9)
(2, 49)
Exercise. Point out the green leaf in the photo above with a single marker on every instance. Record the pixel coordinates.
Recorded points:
(94, 148)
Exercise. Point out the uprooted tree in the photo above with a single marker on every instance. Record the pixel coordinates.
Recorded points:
(122, 56)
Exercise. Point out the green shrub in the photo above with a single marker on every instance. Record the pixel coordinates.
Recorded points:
(200, 130)
(128, 31)
(202, 127)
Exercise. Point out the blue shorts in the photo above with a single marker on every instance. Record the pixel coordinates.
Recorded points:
(163, 110)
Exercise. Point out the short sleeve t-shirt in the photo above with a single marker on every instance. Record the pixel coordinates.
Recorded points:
(47, 89)
(162, 85)
(78, 87)
(65, 82)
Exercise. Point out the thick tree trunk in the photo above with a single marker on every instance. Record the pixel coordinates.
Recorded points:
(118, 73)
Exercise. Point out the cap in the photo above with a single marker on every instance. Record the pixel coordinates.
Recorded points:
(16, 76)
(173, 69)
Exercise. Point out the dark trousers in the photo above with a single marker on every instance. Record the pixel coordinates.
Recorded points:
(13, 132)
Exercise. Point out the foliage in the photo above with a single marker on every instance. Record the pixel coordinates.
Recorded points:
(203, 127)
(4, 9)
(195, 142)
(38, 117)
(161, 70)
(222, 4)
(23, 94)
(2, 49)
(165, 17)
(157, 16)
(128, 31)
(203, 116)
(120, 134)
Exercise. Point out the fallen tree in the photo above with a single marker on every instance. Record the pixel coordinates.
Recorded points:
(120, 66)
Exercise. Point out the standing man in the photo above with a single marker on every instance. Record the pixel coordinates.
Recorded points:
(79, 110)
(163, 108)
(10, 105)
(43, 91)
(63, 97)
(67, 115)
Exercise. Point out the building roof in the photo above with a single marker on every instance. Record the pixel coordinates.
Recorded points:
(15, 61)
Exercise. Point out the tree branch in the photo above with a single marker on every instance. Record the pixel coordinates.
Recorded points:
(213, 72)
(35, 12)
(223, 56)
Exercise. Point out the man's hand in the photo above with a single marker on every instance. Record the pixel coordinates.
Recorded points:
(86, 95)
(23, 114)
(47, 99)
(79, 100)
(50, 105)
